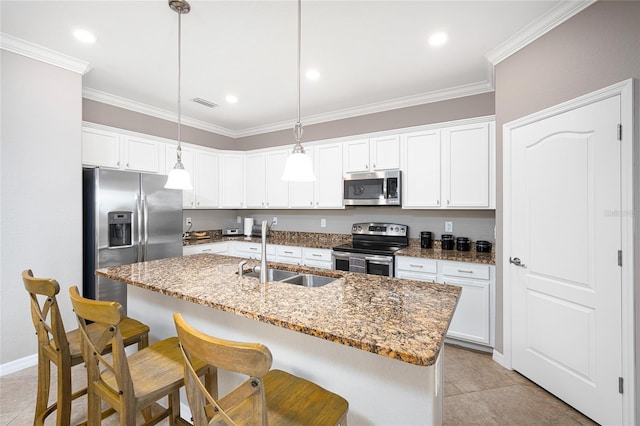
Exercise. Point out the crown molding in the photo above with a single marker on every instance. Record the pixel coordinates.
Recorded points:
(43, 54)
(408, 101)
(120, 102)
(536, 29)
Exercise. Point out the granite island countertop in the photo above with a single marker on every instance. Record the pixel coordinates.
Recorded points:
(401, 319)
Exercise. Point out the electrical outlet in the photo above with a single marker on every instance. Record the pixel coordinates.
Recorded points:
(323, 223)
(188, 221)
(274, 221)
(448, 227)
(238, 219)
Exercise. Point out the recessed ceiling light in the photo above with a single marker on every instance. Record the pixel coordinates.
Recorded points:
(313, 75)
(231, 99)
(84, 36)
(438, 39)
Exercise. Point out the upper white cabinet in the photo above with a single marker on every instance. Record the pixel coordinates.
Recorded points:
(206, 180)
(326, 191)
(232, 180)
(467, 165)
(277, 190)
(421, 169)
(449, 168)
(255, 186)
(382, 153)
(103, 148)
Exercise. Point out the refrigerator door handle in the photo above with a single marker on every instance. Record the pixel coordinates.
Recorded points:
(146, 226)
(139, 211)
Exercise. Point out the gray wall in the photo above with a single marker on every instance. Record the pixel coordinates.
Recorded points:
(596, 48)
(41, 196)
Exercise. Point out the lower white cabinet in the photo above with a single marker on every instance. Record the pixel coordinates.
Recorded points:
(289, 254)
(317, 258)
(474, 319)
(251, 250)
(217, 248)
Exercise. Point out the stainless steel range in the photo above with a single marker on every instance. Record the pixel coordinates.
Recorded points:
(372, 248)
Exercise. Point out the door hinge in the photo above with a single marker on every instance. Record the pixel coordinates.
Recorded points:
(619, 132)
(620, 384)
(619, 257)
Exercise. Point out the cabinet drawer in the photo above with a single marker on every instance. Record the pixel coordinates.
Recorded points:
(418, 276)
(316, 255)
(251, 248)
(289, 251)
(416, 264)
(466, 270)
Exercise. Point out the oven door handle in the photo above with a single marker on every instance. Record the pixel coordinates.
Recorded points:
(341, 255)
(379, 260)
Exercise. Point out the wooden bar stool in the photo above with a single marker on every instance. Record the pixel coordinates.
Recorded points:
(267, 397)
(63, 348)
(134, 383)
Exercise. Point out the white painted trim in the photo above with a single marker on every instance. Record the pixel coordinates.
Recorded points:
(18, 364)
(499, 358)
(536, 29)
(43, 54)
(625, 90)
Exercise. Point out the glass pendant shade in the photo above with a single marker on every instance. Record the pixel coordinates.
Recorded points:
(298, 168)
(178, 178)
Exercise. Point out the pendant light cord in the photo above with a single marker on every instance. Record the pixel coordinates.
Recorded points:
(179, 150)
(297, 129)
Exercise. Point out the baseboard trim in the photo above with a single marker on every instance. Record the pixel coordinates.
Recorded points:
(18, 364)
(499, 358)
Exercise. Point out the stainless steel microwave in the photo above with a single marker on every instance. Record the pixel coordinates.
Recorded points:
(372, 188)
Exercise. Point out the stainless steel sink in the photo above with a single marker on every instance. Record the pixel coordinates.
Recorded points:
(309, 280)
(290, 277)
(273, 274)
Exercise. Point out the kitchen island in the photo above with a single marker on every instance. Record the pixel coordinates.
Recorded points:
(387, 334)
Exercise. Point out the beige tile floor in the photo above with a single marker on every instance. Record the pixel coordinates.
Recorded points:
(477, 391)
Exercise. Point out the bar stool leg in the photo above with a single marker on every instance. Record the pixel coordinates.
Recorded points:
(64, 396)
(44, 383)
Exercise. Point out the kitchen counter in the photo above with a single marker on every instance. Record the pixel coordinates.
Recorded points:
(400, 319)
(437, 253)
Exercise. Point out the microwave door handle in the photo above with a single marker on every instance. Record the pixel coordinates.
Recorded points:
(385, 195)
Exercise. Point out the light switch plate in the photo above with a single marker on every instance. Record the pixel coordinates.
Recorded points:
(323, 223)
(448, 227)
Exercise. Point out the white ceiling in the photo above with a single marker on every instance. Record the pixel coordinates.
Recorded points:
(372, 55)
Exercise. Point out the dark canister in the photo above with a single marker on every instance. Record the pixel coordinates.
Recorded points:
(447, 242)
(425, 240)
(463, 244)
(483, 246)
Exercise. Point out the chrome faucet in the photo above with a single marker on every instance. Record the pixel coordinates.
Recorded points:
(263, 260)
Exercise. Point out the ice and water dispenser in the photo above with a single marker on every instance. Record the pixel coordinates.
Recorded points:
(119, 228)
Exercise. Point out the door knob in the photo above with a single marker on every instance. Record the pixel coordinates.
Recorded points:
(516, 261)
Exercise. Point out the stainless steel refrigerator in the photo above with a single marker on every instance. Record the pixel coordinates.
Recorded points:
(127, 217)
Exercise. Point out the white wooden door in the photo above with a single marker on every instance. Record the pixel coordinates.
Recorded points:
(255, 184)
(566, 291)
(421, 169)
(356, 156)
(100, 148)
(329, 189)
(277, 189)
(142, 155)
(231, 180)
(385, 153)
(207, 180)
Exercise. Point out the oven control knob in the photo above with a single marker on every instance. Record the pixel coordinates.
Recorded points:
(359, 228)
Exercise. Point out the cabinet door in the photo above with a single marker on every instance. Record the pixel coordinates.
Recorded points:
(207, 183)
(100, 148)
(188, 195)
(277, 189)
(302, 194)
(329, 187)
(471, 320)
(421, 169)
(466, 176)
(231, 180)
(385, 153)
(141, 155)
(255, 190)
(356, 156)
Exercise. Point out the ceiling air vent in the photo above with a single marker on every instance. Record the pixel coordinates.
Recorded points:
(205, 102)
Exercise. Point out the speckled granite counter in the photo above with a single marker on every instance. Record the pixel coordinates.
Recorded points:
(399, 319)
(437, 253)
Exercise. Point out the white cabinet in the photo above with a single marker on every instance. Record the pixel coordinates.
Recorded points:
(449, 168)
(232, 180)
(421, 169)
(416, 268)
(326, 191)
(104, 148)
(251, 250)
(316, 258)
(277, 190)
(255, 185)
(467, 165)
(216, 248)
(289, 254)
(381, 153)
(206, 180)
(474, 319)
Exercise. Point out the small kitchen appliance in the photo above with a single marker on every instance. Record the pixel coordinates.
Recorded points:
(372, 188)
(231, 231)
(372, 248)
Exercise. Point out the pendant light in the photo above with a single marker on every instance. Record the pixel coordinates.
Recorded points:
(178, 177)
(298, 167)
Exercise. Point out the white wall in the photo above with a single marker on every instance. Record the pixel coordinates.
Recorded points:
(41, 191)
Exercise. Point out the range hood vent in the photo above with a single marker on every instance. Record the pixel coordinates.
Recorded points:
(205, 102)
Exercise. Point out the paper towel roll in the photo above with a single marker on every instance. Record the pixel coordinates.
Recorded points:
(248, 225)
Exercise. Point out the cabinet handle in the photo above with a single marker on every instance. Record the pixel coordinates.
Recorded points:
(267, 204)
(366, 166)
(288, 252)
(198, 203)
(316, 255)
(448, 202)
(127, 165)
(438, 202)
(253, 248)
(416, 266)
(311, 203)
(374, 165)
(206, 250)
(317, 203)
(118, 163)
(262, 203)
(465, 271)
